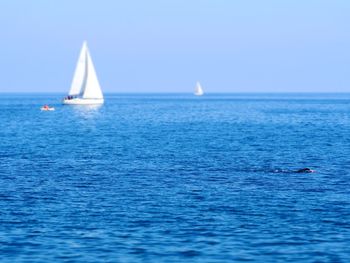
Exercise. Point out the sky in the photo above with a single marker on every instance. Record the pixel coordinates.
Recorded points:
(168, 45)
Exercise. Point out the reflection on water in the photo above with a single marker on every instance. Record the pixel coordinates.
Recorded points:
(86, 111)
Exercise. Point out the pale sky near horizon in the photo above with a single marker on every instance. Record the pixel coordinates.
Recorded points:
(167, 45)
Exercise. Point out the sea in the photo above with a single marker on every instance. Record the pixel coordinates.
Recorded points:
(175, 178)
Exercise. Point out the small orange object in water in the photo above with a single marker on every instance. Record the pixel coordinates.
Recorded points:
(47, 108)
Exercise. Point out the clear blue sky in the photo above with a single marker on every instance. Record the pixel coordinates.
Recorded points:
(167, 45)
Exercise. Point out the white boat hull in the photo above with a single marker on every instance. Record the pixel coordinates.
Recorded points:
(80, 101)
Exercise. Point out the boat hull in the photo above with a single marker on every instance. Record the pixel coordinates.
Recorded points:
(80, 101)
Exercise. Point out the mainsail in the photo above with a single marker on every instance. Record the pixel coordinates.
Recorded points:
(79, 75)
(198, 90)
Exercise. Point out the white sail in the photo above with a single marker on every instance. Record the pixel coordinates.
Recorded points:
(85, 87)
(79, 75)
(198, 90)
(92, 89)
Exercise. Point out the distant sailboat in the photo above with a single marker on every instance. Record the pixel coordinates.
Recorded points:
(198, 90)
(85, 88)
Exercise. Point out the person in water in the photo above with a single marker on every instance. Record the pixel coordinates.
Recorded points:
(299, 171)
(304, 171)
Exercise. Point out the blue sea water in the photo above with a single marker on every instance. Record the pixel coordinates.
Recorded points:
(175, 178)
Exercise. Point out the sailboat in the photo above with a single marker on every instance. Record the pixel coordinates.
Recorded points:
(198, 90)
(85, 88)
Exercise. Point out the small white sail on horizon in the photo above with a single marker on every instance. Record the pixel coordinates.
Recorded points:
(198, 90)
(85, 88)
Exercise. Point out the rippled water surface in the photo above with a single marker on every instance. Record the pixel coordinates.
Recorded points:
(175, 178)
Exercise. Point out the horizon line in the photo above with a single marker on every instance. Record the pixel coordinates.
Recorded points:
(162, 92)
